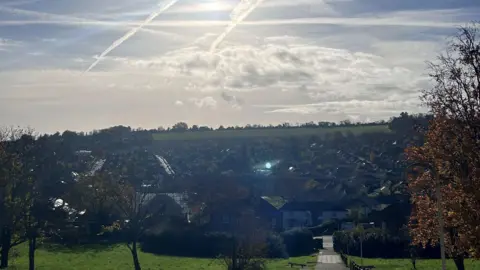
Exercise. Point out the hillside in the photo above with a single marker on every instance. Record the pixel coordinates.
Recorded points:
(330, 163)
(266, 132)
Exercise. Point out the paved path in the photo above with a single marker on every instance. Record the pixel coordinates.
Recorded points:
(327, 258)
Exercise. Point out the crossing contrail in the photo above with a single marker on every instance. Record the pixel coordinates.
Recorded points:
(237, 16)
(130, 33)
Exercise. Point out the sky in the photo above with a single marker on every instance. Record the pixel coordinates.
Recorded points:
(282, 60)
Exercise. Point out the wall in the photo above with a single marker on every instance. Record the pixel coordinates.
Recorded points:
(329, 215)
(292, 219)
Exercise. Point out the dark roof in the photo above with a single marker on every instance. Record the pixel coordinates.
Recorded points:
(311, 206)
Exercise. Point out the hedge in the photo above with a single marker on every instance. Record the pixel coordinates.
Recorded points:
(299, 241)
(376, 244)
(195, 243)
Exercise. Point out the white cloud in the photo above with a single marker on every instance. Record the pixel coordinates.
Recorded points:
(321, 73)
(179, 103)
(326, 82)
(442, 18)
(353, 109)
(6, 44)
(312, 61)
(219, 6)
(206, 102)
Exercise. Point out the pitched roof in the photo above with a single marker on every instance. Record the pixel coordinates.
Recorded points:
(311, 206)
(275, 201)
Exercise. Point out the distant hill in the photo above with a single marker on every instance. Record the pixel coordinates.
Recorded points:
(266, 132)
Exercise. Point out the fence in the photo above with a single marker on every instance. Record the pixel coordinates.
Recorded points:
(353, 265)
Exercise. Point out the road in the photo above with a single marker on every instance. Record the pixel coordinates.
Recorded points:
(327, 258)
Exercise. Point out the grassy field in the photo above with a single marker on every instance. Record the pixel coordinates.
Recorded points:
(119, 258)
(256, 133)
(405, 264)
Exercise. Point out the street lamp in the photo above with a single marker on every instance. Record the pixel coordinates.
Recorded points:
(361, 241)
(439, 208)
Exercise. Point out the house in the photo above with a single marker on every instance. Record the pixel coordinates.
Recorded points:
(308, 213)
(224, 218)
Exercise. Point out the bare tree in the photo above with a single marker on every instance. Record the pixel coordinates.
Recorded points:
(456, 77)
(137, 207)
(15, 190)
(249, 243)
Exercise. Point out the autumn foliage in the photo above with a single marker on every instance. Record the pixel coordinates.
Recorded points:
(458, 177)
(451, 150)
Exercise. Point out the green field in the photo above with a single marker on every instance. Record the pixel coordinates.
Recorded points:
(267, 132)
(405, 264)
(119, 258)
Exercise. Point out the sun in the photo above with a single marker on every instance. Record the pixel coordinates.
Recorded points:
(214, 5)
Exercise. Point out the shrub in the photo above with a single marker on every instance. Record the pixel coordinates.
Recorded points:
(376, 244)
(299, 241)
(196, 243)
(326, 228)
(318, 243)
(186, 243)
(276, 247)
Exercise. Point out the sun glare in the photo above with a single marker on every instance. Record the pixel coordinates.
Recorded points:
(213, 5)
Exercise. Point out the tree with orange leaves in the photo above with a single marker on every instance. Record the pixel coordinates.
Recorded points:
(451, 151)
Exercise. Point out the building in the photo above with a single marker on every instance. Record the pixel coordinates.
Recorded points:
(224, 218)
(308, 213)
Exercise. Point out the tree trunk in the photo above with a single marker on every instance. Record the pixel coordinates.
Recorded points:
(459, 262)
(32, 243)
(6, 239)
(136, 262)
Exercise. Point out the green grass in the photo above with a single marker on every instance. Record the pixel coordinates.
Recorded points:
(268, 132)
(119, 258)
(405, 264)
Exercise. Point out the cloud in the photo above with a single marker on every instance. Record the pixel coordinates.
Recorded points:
(6, 44)
(305, 60)
(353, 109)
(20, 2)
(321, 73)
(69, 20)
(234, 101)
(132, 32)
(443, 18)
(206, 102)
(219, 6)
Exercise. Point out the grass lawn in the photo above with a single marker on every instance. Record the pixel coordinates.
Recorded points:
(268, 132)
(119, 258)
(405, 264)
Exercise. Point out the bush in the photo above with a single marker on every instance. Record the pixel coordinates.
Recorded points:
(326, 228)
(299, 241)
(196, 243)
(377, 245)
(276, 247)
(318, 243)
(186, 243)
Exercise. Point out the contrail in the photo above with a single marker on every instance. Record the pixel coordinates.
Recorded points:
(69, 20)
(130, 33)
(19, 2)
(237, 17)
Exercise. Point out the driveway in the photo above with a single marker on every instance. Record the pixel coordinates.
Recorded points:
(327, 258)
